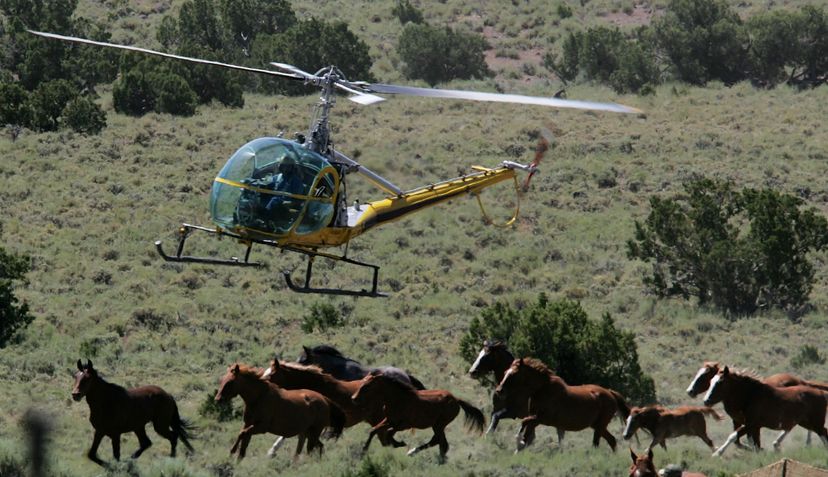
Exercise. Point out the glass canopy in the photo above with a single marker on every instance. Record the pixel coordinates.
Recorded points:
(275, 187)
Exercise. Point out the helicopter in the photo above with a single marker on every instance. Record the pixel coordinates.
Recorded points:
(292, 194)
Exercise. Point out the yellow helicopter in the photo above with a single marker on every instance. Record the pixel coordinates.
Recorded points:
(291, 194)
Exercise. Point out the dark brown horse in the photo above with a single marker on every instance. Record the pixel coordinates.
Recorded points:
(709, 369)
(409, 408)
(643, 466)
(296, 376)
(663, 423)
(760, 405)
(268, 408)
(555, 403)
(114, 410)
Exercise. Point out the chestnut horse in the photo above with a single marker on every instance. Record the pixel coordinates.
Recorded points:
(663, 423)
(333, 362)
(297, 376)
(268, 408)
(555, 403)
(709, 369)
(114, 410)
(763, 405)
(409, 408)
(643, 466)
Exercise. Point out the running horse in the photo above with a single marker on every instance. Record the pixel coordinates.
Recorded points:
(555, 403)
(709, 369)
(663, 423)
(268, 408)
(762, 405)
(114, 410)
(298, 376)
(409, 408)
(333, 362)
(643, 466)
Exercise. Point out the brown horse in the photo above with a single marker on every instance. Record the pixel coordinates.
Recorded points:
(709, 369)
(665, 423)
(643, 466)
(763, 405)
(555, 403)
(409, 408)
(114, 410)
(296, 376)
(268, 408)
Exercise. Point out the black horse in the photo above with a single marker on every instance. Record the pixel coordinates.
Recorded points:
(337, 365)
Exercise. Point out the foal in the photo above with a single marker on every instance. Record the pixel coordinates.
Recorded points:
(664, 423)
(268, 408)
(114, 410)
(410, 408)
(643, 466)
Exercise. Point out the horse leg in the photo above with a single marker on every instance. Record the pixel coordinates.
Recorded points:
(561, 434)
(730, 440)
(245, 440)
(527, 431)
(823, 435)
(239, 439)
(779, 439)
(382, 426)
(703, 436)
(496, 417)
(92, 454)
(116, 446)
(607, 437)
(433, 442)
(808, 438)
(755, 436)
(299, 446)
(164, 431)
(144, 442)
(276, 446)
(394, 443)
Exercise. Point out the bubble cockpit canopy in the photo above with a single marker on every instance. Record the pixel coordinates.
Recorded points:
(271, 188)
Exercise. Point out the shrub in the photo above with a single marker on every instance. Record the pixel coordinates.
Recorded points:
(560, 334)
(221, 411)
(47, 103)
(133, 94)
(369, 468)
(84, 116)
(437, 54)
(739, 251)
(173, 95)
(807, 355)
(14, 101)
(407, 13)
(14, 316)
(704, 40)
(322, 316)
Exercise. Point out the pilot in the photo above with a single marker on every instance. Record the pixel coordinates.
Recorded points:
(290, 179)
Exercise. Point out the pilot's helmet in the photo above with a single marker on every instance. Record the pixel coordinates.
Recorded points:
(287, 165)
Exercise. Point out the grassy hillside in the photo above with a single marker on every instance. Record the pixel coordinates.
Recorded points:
(87, 210)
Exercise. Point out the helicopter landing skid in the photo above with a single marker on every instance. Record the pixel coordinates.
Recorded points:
(306, 288)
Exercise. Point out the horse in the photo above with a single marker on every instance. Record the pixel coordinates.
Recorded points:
(555, 403)
(268, 408)
(761, 405)
(333, 362)
(298, 376)
(663, 423)
(709, 369)
(406, 407)
(643, 466)
(115, 410)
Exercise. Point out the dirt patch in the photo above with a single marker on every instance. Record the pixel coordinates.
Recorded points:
(640, 15)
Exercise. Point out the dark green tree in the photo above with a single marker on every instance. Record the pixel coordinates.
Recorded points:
(437, 55)
(560, 334)
(407, 13)
(47, 103)
(739, 251)
(811, 67)
(14, 104)
(246, 19)
(84, 116)
(14, 316)
(774, 44)
(173, 94)
(704, 40)
(133, 93)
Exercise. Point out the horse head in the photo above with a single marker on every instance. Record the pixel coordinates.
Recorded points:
(306, 357)
(227, 386)
(493, 357)
(718, 387)
(84, 378)
(701, 382)
(642, 465)
(512, 378)
(632, 423)
(270, 373)
(368, 389)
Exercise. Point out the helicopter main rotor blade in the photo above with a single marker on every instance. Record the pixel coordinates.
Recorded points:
(358, 96)
(499, 98)
(166, 55)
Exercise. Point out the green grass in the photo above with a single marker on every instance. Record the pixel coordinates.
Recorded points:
(87, 210)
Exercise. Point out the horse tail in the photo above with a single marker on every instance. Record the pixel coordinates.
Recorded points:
(336, 420)
(416, 382)
(621, 404)
(184, 429)
(475, 420)
(711, 412)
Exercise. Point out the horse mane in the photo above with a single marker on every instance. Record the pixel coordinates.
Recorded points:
(310, 368)
(751, 373)
(495, 344)
(396, 382)
(538, 366)
(329, 350)
(249, 370)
